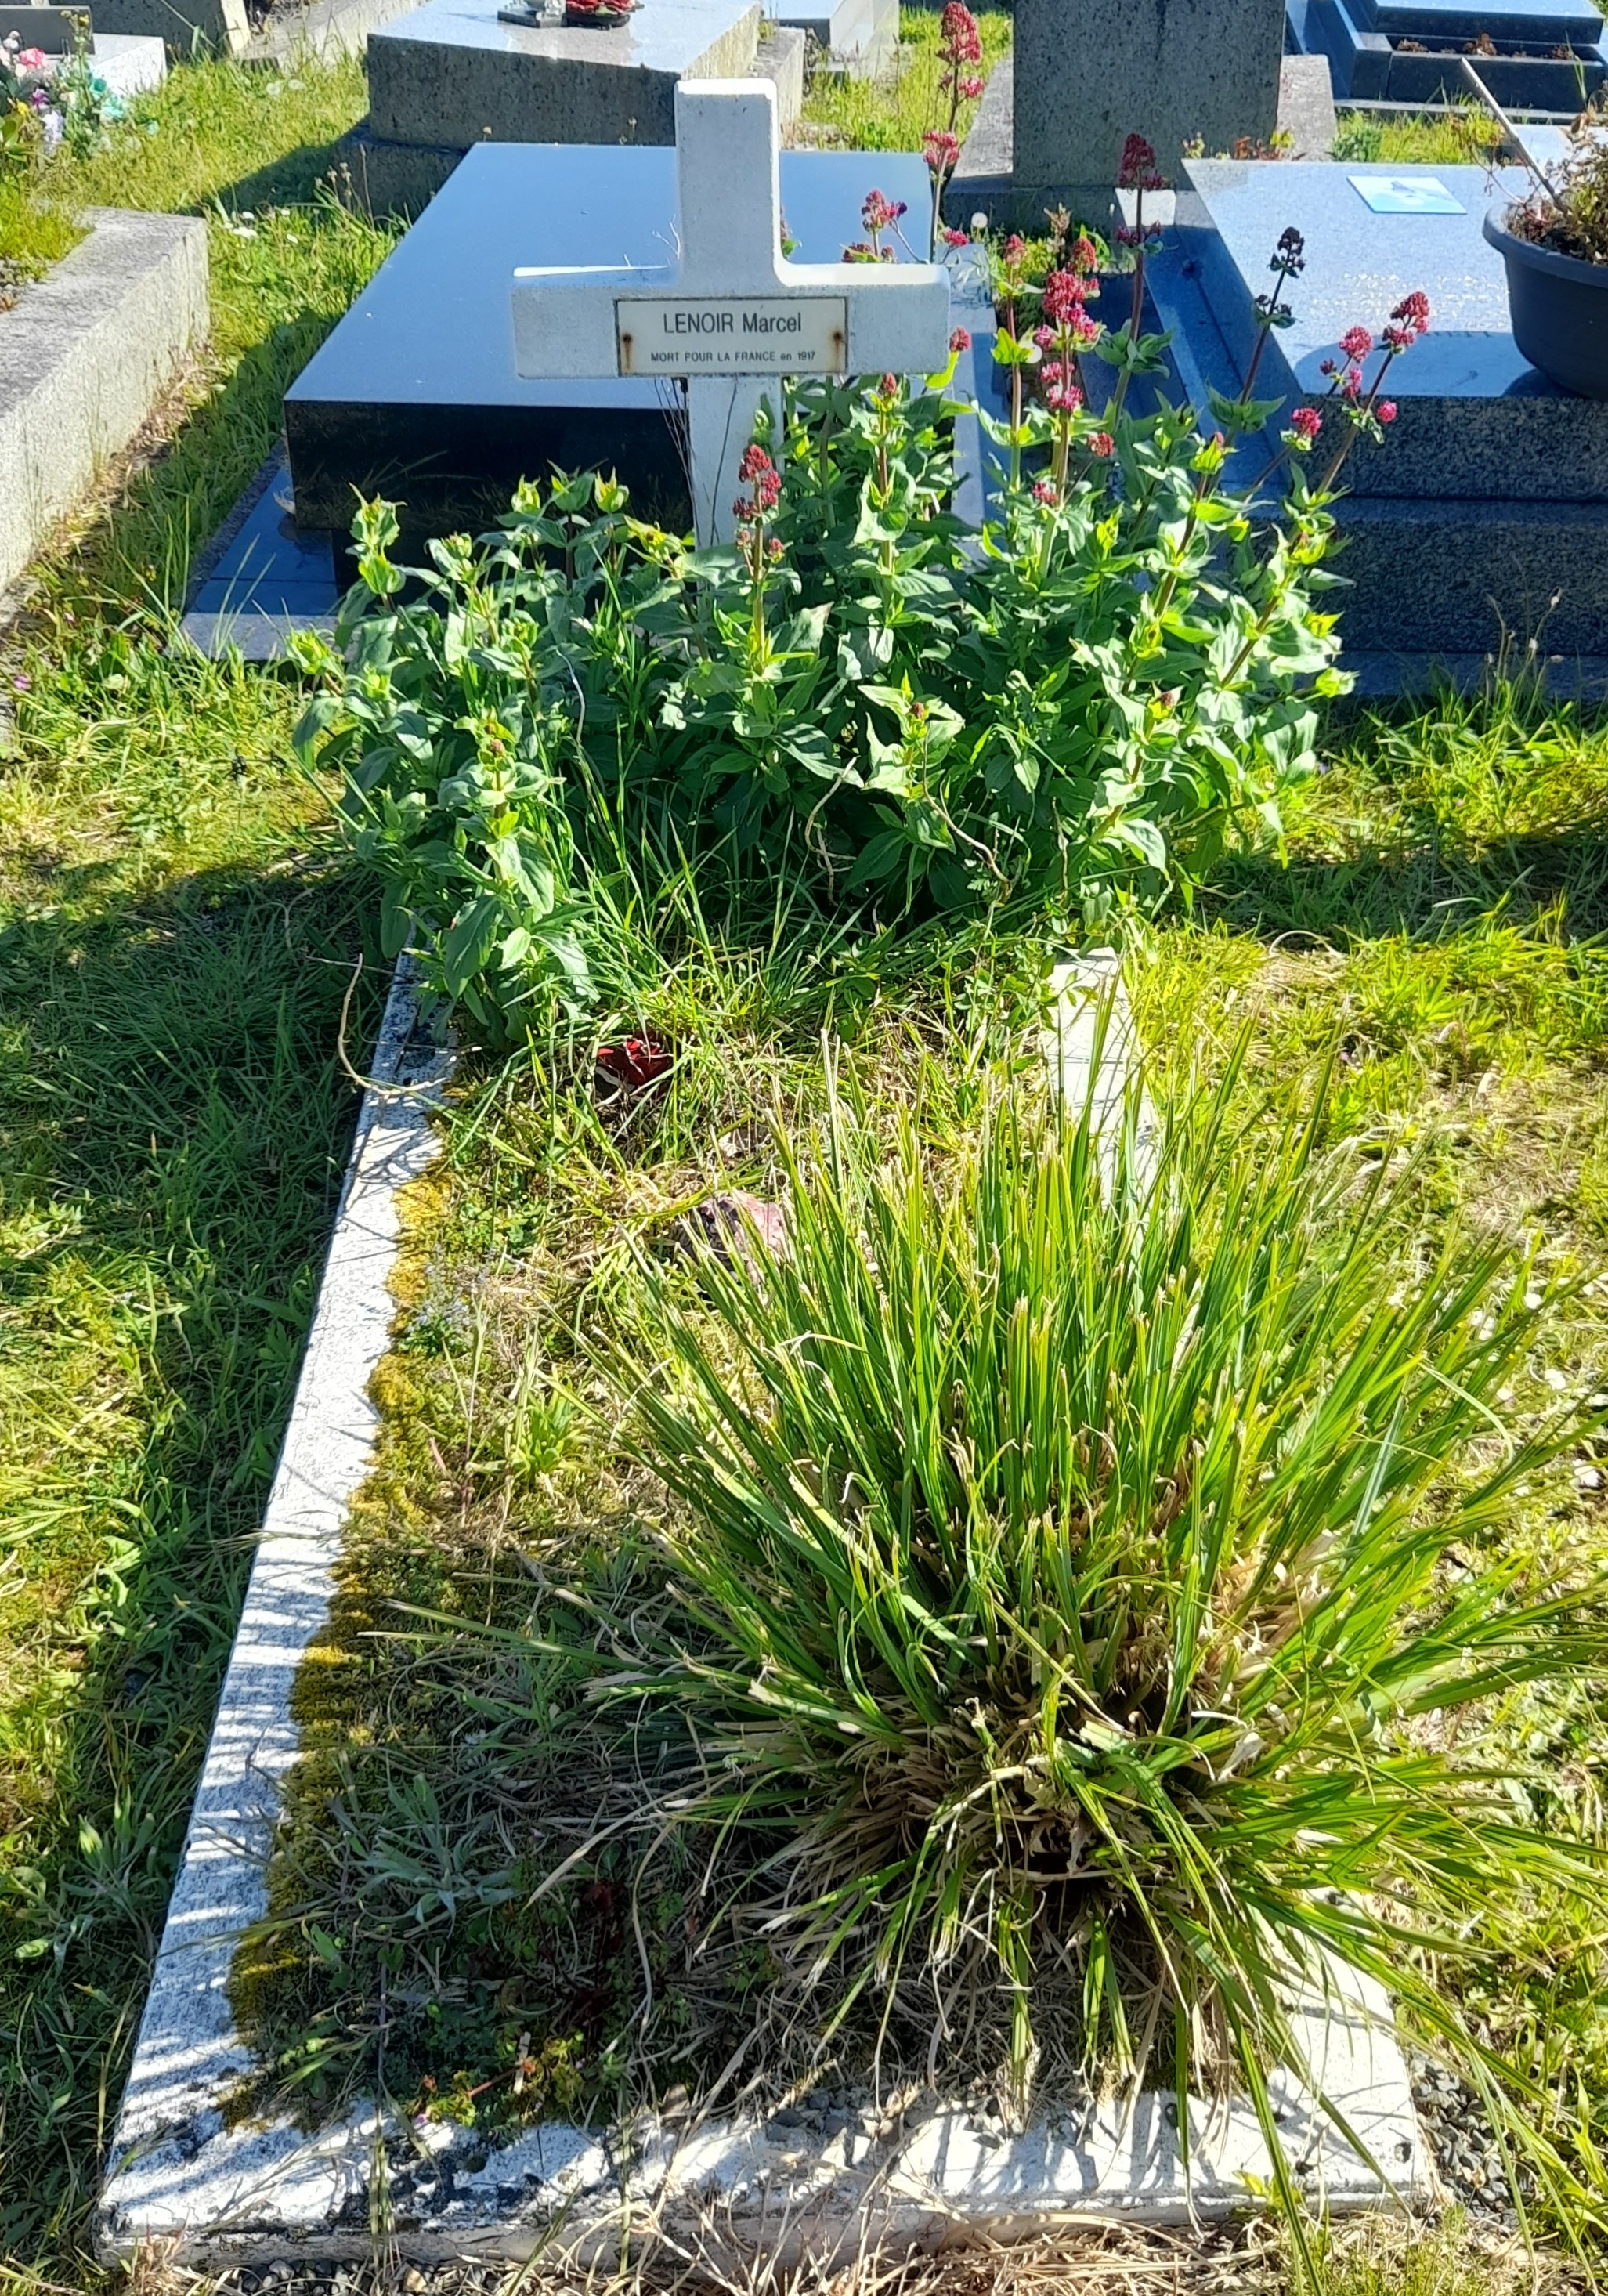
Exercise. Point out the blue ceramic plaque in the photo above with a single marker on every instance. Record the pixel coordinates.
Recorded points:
(1407, 195)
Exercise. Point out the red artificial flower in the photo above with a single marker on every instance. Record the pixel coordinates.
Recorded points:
(635, 1062)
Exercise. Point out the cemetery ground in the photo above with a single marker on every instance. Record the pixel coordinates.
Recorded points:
(179, 934)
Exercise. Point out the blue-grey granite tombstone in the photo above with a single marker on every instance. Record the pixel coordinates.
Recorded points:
(1090, 72)
(1485, 508)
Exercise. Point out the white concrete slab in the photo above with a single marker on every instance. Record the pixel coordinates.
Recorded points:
(85, 356)
(174, 2162)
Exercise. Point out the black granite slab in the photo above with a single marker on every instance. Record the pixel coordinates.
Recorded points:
(414, 395)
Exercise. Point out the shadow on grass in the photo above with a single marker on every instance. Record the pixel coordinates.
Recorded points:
(291, 180)
(173, 1129)
(1426, 887)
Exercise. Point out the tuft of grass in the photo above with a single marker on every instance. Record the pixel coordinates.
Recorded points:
(1464, 136)
(1076, 1591)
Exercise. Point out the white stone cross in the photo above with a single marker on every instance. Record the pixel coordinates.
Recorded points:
(730, 311)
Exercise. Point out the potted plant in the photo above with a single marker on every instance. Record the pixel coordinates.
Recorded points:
(1554, 244)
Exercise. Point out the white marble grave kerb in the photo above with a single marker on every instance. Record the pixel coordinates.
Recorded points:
(730, 311)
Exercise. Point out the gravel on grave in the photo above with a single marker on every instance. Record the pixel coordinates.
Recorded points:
(1468, 2159)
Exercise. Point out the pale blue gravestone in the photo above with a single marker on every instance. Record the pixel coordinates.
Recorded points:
(1543, 55)
(1485, 509)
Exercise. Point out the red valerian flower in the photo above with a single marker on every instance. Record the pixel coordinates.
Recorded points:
(1307, 422)
(1015, 248)
(879, 213)
(960, 34)
(889, 386)
(1413, 313)
(960, 341)
(755, 463)
(956, 239)
(1062, 296)
(1101, 443)
(1062, 394)
(1386, 410)
(1356, 343)
(1085, 256)
(1137, 171)
(1045, 492)
(939, 149)
(972, 87)
(1327, 366)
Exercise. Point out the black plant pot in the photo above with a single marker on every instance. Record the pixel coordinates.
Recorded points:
(1559, 309)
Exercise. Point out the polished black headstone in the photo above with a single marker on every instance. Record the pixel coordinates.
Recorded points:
(414, 395)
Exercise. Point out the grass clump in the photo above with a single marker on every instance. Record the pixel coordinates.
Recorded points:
(1061, 1603)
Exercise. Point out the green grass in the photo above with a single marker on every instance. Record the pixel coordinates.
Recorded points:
(33, 236)
(892, 110)
(1465, 136)
(177, 934)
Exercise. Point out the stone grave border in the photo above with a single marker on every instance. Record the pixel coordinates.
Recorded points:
(213, 2193)
(85, 354)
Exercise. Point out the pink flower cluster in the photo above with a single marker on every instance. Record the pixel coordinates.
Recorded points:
(760, 475)
(879, 213)
(1137, 171)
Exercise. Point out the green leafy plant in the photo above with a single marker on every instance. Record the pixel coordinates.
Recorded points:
(1080, 705)
(1082, 1591)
